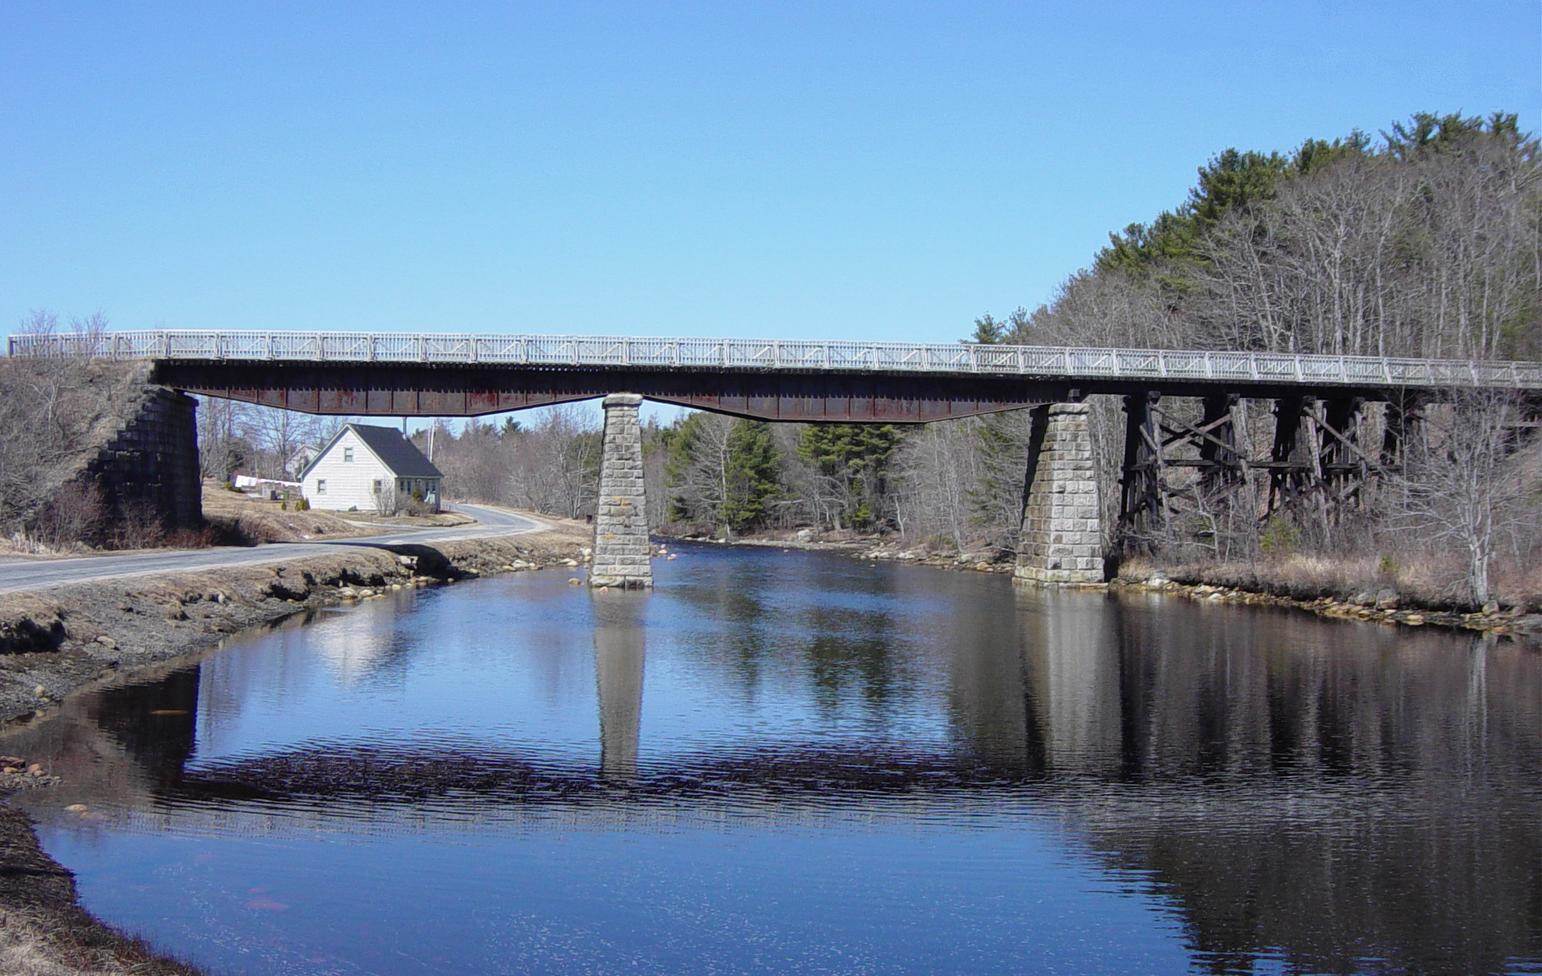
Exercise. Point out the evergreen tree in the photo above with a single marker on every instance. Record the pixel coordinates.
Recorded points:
(987, 331)
(855, 457)
(752, 482)
(997, 496)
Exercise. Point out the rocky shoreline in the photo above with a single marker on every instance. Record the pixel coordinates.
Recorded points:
(1380, 604)
(57, 641)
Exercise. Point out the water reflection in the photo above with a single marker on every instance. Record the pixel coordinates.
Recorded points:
(1318, 795)
(619, 650)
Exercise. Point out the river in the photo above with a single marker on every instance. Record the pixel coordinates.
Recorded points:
(797, 762)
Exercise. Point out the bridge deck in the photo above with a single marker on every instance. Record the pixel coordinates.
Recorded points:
(783, 355)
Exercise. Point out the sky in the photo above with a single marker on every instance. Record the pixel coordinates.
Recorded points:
(792, 170)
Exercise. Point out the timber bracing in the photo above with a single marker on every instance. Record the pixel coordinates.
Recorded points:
(1179, 460)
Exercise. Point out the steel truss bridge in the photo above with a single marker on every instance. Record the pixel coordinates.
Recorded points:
(406, 374)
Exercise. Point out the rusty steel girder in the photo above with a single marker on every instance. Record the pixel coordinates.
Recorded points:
(415, 390)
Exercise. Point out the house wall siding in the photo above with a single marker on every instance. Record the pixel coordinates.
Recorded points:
(349, 484)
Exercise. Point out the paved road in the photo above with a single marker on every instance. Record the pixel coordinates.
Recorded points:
(37, 574)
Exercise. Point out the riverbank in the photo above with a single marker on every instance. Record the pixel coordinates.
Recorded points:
(56, 640)
(1335, 588)
(43, 929)
(59, 640)
(1375, 604)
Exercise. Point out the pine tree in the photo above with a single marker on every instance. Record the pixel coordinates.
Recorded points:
(856, 458)
(752, 482)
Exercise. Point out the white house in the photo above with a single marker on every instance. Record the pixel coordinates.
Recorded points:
(369, 469)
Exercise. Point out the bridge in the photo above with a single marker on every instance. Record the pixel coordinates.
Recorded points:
(415, 375)
(1184, 408)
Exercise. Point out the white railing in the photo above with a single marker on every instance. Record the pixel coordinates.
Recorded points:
(783, 354)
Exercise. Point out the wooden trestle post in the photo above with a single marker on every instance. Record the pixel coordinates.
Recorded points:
(1141, 505)
(1222, 463)
(1290, 471)
(1404, 417)
(1343, 465)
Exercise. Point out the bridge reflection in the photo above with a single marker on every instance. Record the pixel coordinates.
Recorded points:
(1290, 796)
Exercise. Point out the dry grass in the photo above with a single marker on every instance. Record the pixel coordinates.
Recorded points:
(241, 517)
(36, 944)
(1431, 580)
(258, 520)
(436, 519)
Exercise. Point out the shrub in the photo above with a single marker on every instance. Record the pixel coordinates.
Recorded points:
(75, 514)
(138, 526)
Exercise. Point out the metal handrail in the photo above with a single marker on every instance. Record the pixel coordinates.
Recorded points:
(785, 354)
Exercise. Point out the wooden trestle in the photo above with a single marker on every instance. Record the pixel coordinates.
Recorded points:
(1317, 460)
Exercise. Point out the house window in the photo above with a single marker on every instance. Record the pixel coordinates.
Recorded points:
(378, 485)
(321, 486)
(347, 455)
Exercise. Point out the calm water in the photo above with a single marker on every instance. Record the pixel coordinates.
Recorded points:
(801, 763)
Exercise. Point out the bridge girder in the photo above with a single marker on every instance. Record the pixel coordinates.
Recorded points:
(468, 391)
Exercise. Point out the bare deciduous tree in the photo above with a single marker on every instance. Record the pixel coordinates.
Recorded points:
(1465, 490)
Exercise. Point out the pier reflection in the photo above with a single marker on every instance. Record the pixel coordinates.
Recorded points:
(619, 652)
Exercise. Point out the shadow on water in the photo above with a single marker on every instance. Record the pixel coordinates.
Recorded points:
(1293, 788)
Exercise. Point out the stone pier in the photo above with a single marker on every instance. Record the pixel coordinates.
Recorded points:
(1061, 542)
(621, 517)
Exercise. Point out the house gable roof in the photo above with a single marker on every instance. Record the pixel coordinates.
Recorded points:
(390, 448)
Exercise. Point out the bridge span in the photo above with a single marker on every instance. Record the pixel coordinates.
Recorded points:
(1184, 409)
(402, 374)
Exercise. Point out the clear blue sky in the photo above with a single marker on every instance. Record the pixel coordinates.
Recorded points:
(864, 171)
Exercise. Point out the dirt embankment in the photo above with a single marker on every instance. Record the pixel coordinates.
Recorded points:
(54, 642)
(864, 546)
